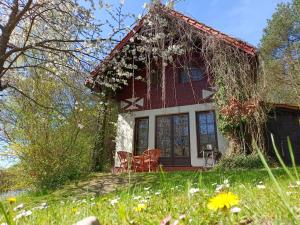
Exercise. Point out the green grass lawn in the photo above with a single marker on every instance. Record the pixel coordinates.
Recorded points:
(148, 198)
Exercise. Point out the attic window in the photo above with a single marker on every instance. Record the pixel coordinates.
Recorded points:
(191, 74)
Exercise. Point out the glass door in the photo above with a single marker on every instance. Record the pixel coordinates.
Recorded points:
(172, 137)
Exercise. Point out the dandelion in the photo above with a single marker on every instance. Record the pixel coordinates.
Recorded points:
(74, 210)
(223, 201)
(11, 200)
(140, 207)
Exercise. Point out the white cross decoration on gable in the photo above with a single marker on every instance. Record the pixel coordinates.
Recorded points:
(132, 103)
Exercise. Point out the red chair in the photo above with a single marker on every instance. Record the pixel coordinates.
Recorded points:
(138, 163)
(125, 160)
(151, 159)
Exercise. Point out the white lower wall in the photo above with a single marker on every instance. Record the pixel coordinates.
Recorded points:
(125, 129)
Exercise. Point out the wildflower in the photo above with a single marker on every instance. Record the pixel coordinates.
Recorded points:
(11, 200)
(181, 217)
(23, 214)
(261, 186)
(18, 207)
(74, 210)
(166, 220)
(223, 201)
(42, 206)
(114, 201)
(140, 207)
(235, 210)
(147, 188)
(176, 222)
(157, 193)
(194, 190)
(136, 197)
(219, 188)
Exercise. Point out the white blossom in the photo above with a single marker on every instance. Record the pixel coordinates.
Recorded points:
(18, 207)
(24, 213)
(235, 210)
(114, 201)
(80, 126)
(194, 190)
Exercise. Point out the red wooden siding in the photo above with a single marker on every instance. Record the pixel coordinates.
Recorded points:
(177, 94)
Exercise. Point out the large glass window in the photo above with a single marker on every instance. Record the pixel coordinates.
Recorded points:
(141, 135)
(206, 130)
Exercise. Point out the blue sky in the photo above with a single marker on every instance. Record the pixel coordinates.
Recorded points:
(244, 19)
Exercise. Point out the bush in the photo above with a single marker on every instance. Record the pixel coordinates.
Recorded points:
(242, 161)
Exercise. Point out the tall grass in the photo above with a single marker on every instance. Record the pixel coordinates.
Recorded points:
(293, 177)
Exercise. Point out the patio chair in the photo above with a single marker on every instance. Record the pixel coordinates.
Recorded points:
(125, 160)
(151, 159)
(138, 163)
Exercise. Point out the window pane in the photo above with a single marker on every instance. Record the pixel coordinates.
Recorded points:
(203, 129)
(142, 126)
(210, 117)
(196, 73)
(181, 135)
(184, 77)
(211, 129)
(191, 74)
(206, 130)
(163, 135)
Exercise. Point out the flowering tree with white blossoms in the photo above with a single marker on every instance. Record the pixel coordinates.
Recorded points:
(47, 48)
(59, 36)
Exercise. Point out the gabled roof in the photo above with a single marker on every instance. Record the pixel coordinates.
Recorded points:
(244, 46)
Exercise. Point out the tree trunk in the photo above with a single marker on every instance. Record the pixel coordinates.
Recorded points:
(99, 153)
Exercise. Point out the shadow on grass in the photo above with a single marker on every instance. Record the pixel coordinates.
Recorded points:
(103, 183)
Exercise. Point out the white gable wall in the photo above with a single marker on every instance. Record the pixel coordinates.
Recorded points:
(125, 129)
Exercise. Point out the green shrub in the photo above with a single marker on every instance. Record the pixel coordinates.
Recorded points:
(242, 161)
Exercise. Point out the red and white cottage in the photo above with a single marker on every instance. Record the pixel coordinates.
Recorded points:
(183, 124)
